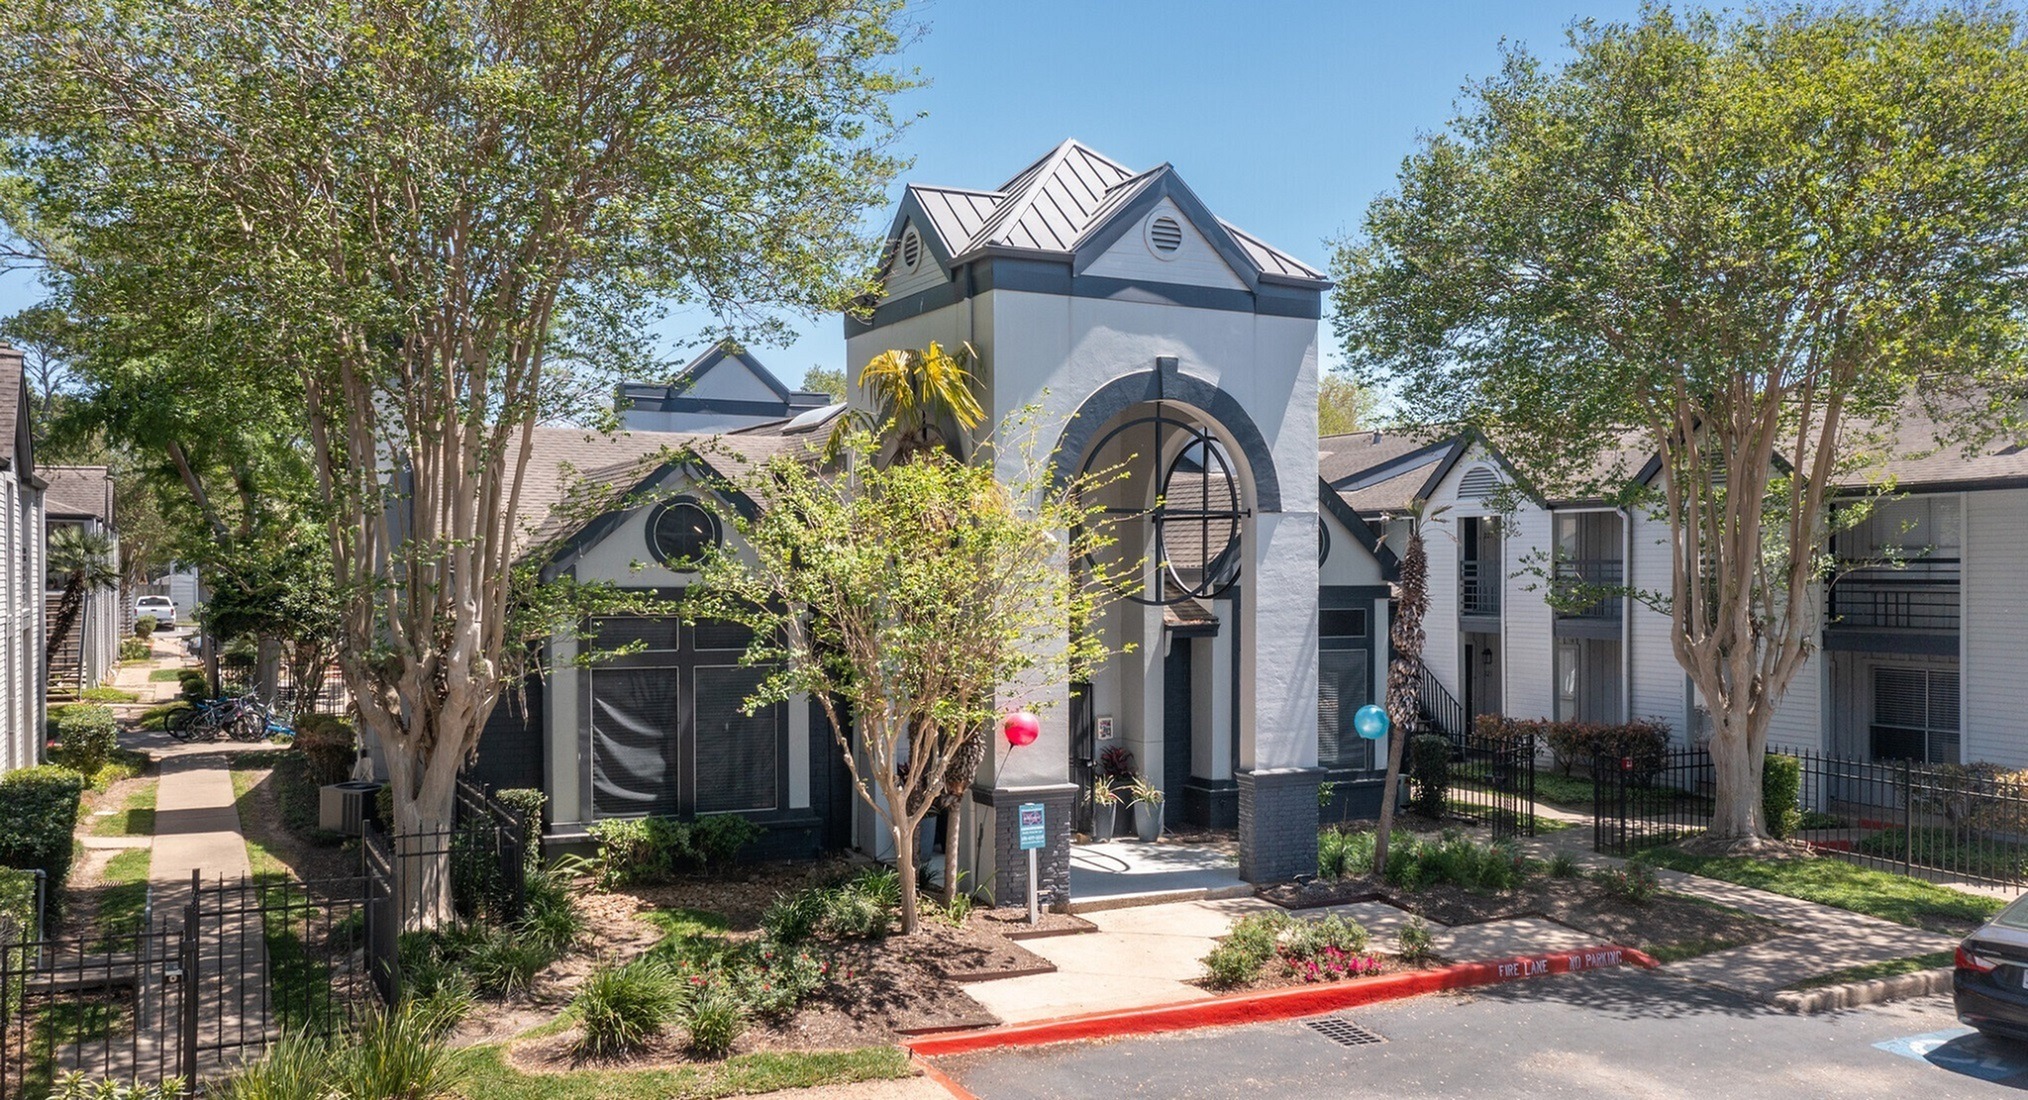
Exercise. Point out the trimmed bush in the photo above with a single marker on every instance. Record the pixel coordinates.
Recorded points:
(329, 746)
(134, 649)
(716, 840)
(38, 811)
(145, 626)
(1577, 744)
(640, 850)
(1781, 791)
(89, 736)
(528, 802)
(193, 685)
(1429, 774)
(1416, 944)
(622, 1008)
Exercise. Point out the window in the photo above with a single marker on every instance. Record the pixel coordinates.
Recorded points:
(680, 533)
(1915, 714)
(1344, 684)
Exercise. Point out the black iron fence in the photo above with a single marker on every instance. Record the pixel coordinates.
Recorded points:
(1649, 799)
(1928, 820)
(1491, 780)
(221, 968)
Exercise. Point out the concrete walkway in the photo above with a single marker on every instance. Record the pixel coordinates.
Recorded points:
(1118, 873)
(1825, 938)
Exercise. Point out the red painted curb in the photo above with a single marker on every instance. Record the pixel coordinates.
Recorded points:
(1280, 1004)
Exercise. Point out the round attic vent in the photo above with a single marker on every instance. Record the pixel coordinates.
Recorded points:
(1165, 236)
(911, 249)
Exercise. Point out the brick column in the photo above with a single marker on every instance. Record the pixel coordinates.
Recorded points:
(1278, 824)
(1010, 863)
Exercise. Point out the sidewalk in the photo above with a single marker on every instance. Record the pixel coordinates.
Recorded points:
(1825, 939)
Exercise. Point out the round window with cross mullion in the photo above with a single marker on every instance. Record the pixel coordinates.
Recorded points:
(680, 533)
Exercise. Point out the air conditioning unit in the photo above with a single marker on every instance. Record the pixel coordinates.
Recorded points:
(344, 807)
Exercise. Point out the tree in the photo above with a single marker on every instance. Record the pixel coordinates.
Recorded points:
(1404, 668)
(916, 602)
(829, 380)
(280, 590)
(441, 221)
(1343, 405)
(1743, 247)
(83, 561)
(916, 393)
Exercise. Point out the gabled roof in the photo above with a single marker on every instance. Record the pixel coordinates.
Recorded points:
(723, 355)
(1063, 204)
(1375, 472)
(16, 447)
(78, 492)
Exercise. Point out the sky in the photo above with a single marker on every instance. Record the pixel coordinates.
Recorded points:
(1287, 118)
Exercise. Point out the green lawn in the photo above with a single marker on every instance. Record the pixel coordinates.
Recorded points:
(488, 1077)
(135, 818)
(1833, 882)
(165, 675)
(1869, 971)
(124, 898)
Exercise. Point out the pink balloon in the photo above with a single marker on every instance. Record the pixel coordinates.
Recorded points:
(1021, 727)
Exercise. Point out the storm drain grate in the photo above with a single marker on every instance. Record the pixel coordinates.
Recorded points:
(1344, 1032)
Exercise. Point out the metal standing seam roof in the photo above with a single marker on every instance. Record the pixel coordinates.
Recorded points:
(1060, 201)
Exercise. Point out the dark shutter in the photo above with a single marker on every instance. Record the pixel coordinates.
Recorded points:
(737, 753)
(1344, 684)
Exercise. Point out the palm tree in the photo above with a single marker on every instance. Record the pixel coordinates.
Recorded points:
(1403, 681)
(84, 559)
(914, 392)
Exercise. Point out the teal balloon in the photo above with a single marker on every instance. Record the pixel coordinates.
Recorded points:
(1371, 722)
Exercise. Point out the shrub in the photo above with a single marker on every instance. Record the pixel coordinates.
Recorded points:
(135, 649)
(76, 1086)
(1634, 883)
(1575, 744)
(1430, 774)
(503, 963)
(715, 1019)
(716, 840)
(864, 908)
(640, 850)
(772, 980)
(144, 626)
(193, 685)
(38, 811)
(622, 1008)
(1563, 865)
(528, 802)
(791, 919)
(1781, 790)
(329, 745)
(550, 917)
(1311, 939)
(394, 1055)
(1238, 958)
(89, 736)
(1417, 945)
(1332, 850)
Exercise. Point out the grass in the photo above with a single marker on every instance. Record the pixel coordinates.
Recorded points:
(1944, 850)
(135, 818)
(487, 1076)
(165, 676)
(123, 901)
(157, 717)
(1846, 886)
(686, 923)
(106, 695)
(63, 1024)
(1568, 791)
(295, 793)
(1885, 969)
(123, 764)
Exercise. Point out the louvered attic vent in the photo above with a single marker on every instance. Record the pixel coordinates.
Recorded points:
(911, 249)
(1478, 483)
(1165, 234)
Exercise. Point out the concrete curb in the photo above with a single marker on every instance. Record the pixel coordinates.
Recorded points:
(1278, 1004)
(1160, 897)
(1830, 998)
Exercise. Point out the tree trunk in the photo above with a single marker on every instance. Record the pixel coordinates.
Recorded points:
(904, 865)
(1395, 739)
(951, 829)
(67, 607)
(424, 797)
(1738, 824)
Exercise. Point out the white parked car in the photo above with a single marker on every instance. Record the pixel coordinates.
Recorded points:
(162, 607)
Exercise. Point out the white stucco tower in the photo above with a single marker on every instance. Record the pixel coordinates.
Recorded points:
(1152, 334)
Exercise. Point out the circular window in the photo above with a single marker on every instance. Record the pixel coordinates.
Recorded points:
(1165, 236)
(1323, 542)
(911, 249)
(680, 533)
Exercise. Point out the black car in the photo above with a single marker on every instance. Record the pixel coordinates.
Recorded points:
(1990, 984)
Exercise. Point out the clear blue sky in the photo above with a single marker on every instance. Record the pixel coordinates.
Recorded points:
(1285, 117)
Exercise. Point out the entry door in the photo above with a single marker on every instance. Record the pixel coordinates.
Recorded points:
(1176, 729)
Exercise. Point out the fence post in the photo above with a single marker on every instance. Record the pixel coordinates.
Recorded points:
(1907, 818)
(193, 932)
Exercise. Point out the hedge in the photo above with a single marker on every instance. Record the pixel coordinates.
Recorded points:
(1430, 773)
(38, 813)
(89, 737)
(1781, 791)
(528, 802)
(329, 745)
(1575, 743)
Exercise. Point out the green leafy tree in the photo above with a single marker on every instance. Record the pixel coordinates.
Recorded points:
(1343, 405)
(915, 602)
(435, 219)
(280, 590)
(1746, 246)
(916, 393)
(81, 562)
(829, 380)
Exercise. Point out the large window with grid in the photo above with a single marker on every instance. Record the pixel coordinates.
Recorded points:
(1915, 714)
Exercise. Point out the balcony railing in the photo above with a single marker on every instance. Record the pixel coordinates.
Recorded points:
(1595, 581)
(1478, 588)
(1921, 596)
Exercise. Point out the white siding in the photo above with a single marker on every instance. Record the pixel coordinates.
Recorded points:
(927, 273)
(1348, 562)
(1798, 718)
(1994, 627)
(1654, 677)
(1527, 628)
(1440, 543)
(1195, 263)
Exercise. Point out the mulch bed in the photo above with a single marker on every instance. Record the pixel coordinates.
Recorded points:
(1667, 921)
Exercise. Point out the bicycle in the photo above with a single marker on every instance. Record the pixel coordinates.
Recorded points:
(211, 719)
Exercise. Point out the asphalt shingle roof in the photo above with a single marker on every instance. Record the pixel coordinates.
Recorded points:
(13, 394)
(78, 491)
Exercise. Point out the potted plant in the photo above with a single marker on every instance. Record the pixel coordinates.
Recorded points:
(1105, 803)
(1147, 808)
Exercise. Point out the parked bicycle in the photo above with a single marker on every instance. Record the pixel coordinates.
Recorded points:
(238, 717)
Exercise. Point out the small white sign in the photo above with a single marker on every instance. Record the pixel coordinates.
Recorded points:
(1104, 726)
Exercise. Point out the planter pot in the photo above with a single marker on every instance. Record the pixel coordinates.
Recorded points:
(1148, 820)
(1102, 822)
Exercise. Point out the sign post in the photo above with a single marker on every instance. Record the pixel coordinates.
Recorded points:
(1032, 841)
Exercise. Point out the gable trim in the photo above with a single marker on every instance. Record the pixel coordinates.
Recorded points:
(1390, 566)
